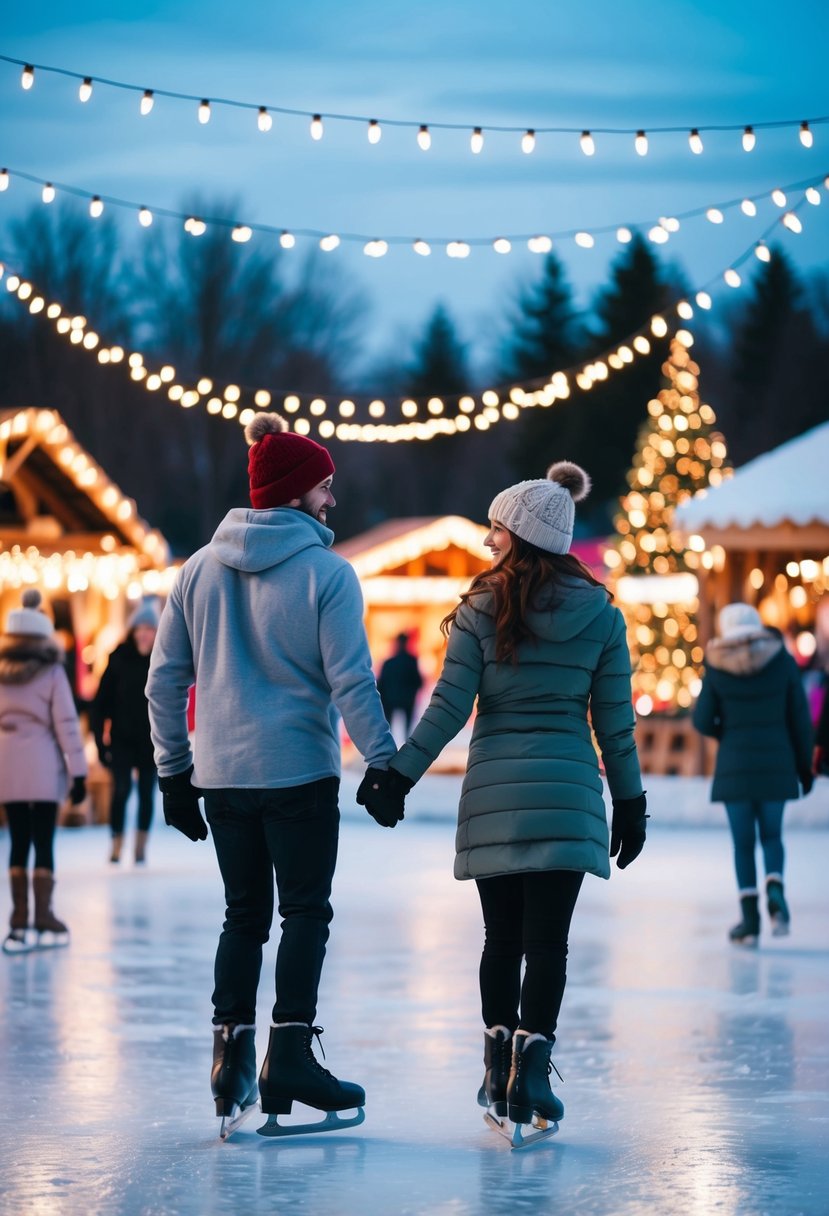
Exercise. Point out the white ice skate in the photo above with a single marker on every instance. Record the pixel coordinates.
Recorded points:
(18, 941)
(331, 1123)
(519, 1138)
(49, 939)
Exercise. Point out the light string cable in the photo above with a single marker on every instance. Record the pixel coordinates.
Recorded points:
(424, 418)
(374, 126)
(659, 231)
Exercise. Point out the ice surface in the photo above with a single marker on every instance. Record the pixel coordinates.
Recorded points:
(697, 1074)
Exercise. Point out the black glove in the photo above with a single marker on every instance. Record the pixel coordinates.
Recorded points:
(181, 805)
(104, 753)
(78, 791)
(807, 780)
(627, 831)
(382, 792)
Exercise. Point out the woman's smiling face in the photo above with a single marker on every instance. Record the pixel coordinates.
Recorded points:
(498, 540)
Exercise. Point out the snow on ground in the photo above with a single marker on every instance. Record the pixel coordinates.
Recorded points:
(697, 1074)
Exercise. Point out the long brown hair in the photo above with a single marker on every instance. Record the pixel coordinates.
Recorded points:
(516, 584)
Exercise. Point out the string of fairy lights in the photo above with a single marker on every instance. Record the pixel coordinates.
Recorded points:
(659, 230)
(421, 419)
(529, 136)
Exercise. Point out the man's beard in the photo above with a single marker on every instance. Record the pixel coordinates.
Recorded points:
(320, 515)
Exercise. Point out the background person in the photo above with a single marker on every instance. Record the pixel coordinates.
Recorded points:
(399, 683)
(41, 757)
(537, 642)
(752, 701)
(121, 724)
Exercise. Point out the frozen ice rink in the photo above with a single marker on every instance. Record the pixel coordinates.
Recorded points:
(697, 1074)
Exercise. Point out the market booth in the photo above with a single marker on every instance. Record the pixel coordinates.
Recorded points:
(68, 530)
(765, 532)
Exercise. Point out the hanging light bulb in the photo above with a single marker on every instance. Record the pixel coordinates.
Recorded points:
(778, 197)
(658, 234)
(539, 244)
(585, 240)
(85, 90)
(204, 112)
(586, 143)
(147, 102)
(287, 240)
(684, 310)
(528, 141)
(263, 119)
(424, 139)
(732, 278)
(476, 140)
(96, 207)
(316, 127)
(641, 143)
(375, 131)
(624, 235)
(145, 217)
(813, 196)
(762, 251)
(806, 136)
(749, 139)
(422, 247)
(329, 242)
(457, 249)
(4, 179)
(241, 233)
(703, 299)
(714, 215)
(195, 227)
(27, 77)
(48, 193)
(695, 142)
(792, 222)
(748, 207)
(502, 245)
(375, 249)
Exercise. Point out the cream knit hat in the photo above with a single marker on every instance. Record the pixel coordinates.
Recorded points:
(739, 621)
(29, 620)
(542, 512)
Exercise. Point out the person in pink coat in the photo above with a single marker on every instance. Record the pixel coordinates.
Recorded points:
(41, 759)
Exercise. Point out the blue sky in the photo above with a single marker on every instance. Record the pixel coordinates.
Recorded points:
(598, 63)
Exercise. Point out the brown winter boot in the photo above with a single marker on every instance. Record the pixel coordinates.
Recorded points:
(43, 884)
(19, 919)
(115, 852)
(141, 847)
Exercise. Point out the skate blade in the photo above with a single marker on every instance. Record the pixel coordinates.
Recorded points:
(17, 945)
(229, 1126)
(499, 1125)
(331, 1123)
(540, 1130)
(47, 940)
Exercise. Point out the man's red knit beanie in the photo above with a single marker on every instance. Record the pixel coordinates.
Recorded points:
(281, 464)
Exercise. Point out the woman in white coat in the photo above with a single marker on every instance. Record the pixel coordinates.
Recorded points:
(41, 759)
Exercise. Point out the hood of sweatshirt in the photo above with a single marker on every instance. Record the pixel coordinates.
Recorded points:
(743, 656)
(564, 614)
(252, 540)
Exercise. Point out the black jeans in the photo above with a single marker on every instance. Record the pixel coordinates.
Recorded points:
(122, 768)
(32, 823)
(526, 916)
(293, 833)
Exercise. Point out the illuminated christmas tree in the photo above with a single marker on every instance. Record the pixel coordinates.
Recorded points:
(679, 452)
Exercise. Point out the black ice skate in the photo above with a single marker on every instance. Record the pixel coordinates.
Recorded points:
(291, 1073)
(530, 1101)
(747, 932)
(778, 908)
(233, 1076)
(497, 1061)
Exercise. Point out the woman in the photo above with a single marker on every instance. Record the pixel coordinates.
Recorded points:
(537, 641)
(752, 700)
(40, 748)
(122, 728)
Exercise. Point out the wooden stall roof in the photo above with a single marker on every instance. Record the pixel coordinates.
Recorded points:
(396, 541)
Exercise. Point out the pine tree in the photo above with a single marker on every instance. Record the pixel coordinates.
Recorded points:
(679, 452)
(439, 368)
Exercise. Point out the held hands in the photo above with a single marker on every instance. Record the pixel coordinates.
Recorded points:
(382, 792)
(627, 832)
(181, 805)
(78, 791)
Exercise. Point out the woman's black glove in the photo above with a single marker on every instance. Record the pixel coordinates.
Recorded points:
(78, 791)
(181, 805)
(382, 792)
(627, 832)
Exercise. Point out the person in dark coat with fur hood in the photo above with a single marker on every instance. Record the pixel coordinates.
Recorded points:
(41, 759)
(121, 723)
(752, 701)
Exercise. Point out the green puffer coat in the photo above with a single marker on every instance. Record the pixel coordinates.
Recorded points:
(752, 700)
(532, 795)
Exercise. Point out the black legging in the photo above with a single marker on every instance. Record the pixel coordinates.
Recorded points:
(122, 769)
(526, 916)
(32, 823)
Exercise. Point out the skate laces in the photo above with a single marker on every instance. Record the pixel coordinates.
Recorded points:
(318, 1031)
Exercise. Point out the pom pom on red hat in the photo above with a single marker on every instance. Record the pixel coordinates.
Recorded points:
(282, 465)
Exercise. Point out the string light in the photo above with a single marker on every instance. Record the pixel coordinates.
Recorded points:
(204, 111)
(695, 142)
(241, 233)
(732, 278)
(714, 215)
(749, 139)
(147, 102)
(624, 235)
(528, 141)
(762, 251)
(287, 240)
(375, 131)
(813, 196)
(27, 77)
(316, 127)
(806, 137)
(375, 249)
(4, 179)
(424, 139)
(48, 195)
(263, 119)
(195, 227)
(85, 90)
(329, 243)
(422, 247)
(502, 245)
(641, 143)
(145, 217)
(476, 141)
(792, 222)
(587, 144)
(584, 240)
(96, 207)
(748, 207)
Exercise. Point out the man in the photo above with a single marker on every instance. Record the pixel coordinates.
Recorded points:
(268, 623)
(399, 683)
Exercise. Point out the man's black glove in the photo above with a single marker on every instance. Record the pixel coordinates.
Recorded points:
(181, 805)
(104, 753)
(627, 831)
(807, 780)
(382, 792)
(78, 791)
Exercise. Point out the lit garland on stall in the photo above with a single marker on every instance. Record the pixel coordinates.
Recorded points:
(528, 135)
(653, 573)
(658, 230)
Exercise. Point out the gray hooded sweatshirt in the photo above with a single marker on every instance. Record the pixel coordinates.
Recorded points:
(268, 623)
